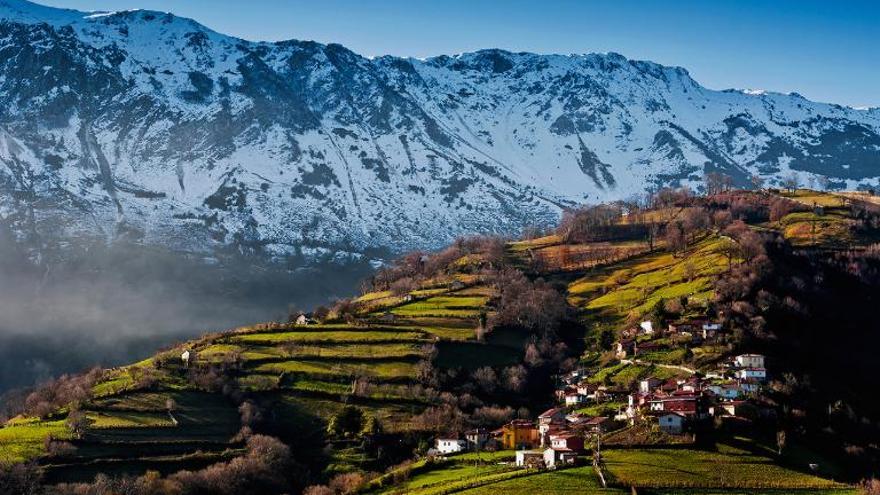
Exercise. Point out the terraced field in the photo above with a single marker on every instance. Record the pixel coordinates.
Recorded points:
(154, 415)
(631, 288)
(689, 468)
(453, 474)
(150, 415)
(24, 439)
(578, 480)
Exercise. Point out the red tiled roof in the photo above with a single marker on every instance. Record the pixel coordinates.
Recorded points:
(550, 412)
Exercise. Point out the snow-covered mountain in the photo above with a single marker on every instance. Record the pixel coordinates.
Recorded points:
(152, 126)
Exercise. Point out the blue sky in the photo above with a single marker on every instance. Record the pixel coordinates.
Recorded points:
(828, 51)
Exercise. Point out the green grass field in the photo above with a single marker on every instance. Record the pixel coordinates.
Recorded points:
(23, 439)
(457, 472)
(120, 419)
(832, 229)
(331, 336)
(379, 369)
(443, 306)
(578, 480)
(689, 468)
(631, 288)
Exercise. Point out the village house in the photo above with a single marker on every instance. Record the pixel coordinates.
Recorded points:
(555, 415)
(692, 406)
(549, 420)
(611, 393)
(759, 374)
(555, 457)
(624, 348)
(185, 357)
(680, 326)
(671, 422)
(669, 386)
(739, 408)
(711, 330)
(562, 392)
(303, 319)
(529, 458)
(750, 385)
(445, 446)
(476, 438)
(636, 402)
(587, 389)
(646, 328)
(567, 441)
(576, 419)
(519, 433)
(749, 361)
(691, 385)
(649, 384)
(727, 391)
(574, 399)
(717, 374)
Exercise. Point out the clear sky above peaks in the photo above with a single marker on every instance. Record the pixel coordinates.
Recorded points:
(828, 51)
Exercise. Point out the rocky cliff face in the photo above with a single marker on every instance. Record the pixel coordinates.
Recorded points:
(153, 127)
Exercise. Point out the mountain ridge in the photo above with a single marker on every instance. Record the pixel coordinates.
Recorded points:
(143, 124)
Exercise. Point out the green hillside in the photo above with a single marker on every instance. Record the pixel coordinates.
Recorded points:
(481, 333)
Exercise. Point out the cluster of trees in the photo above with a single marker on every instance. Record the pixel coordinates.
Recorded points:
(341, 484)
(594, 223)
(60, 392)
(408, 271)
(351, 422)
(533, 305)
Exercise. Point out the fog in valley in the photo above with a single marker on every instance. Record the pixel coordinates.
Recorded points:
(77, 306)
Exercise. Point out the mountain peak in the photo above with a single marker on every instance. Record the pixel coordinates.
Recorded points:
(26, 12)
(32, 13)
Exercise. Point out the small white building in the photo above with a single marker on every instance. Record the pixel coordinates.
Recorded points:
(649, 384)
(529, 458)
(302, 319)
(759, 374)
(450, 445)
(749, 361)
(646, 328)
(556, 457)
(671, 422)
(587, 389)
(710, 330)
(185, 357)
(726, 391)
(574, 399)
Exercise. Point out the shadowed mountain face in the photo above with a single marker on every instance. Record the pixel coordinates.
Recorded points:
(150, 127)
